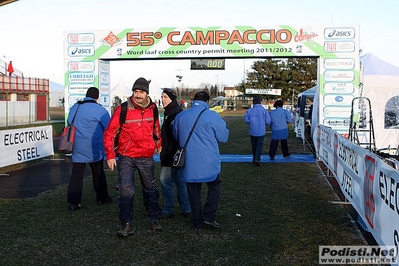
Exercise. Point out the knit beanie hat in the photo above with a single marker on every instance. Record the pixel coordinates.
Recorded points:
(92, 92)
(171, 94)
(257, 100)
(141, 84)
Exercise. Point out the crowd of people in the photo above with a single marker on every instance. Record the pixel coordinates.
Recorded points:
(130, 137)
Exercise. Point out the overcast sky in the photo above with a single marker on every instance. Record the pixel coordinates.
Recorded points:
(32, 31)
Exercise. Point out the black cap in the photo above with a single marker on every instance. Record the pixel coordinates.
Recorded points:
(141, 84)
(171, 94)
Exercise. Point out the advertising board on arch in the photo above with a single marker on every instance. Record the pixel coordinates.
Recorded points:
(336, 47)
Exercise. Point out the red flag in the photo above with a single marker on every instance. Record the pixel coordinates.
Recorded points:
(10, 68)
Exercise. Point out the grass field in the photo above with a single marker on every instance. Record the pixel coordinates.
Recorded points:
(283, 209)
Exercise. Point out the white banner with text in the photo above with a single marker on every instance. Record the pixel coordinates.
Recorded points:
(25, 144)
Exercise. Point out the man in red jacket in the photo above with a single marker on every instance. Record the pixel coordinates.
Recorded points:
(139, 138)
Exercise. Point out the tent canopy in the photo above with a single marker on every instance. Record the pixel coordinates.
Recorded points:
(373, 65)
(121, 89)
(381, 86)
(220, 98)
(309, 92)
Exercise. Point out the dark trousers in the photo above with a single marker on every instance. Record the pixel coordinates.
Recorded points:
(125, 189)
(274, 145)
(208, 213)
(76, 182)
(257, 145)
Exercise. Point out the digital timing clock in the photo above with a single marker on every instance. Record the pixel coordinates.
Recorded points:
(215, 64)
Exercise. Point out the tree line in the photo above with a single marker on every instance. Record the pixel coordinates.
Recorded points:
(291, 75)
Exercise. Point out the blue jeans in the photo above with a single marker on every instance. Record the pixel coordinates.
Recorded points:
(126, 186)
(169, 177)
(257, 145)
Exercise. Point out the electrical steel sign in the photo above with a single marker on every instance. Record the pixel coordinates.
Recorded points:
(336, 47)
(25, 144)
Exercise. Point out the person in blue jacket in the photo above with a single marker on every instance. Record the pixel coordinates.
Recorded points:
(279, 125)
(257, 118)
(91, 119)
(202, 164)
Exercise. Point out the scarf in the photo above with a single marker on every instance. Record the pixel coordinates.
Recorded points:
(170, 107)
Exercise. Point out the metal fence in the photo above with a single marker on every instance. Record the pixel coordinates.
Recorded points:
(14, 113)
(23, 100)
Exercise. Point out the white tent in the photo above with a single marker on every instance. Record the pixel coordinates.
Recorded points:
(56, 94)
(381, 86)
(155, 92)
(121, 90)
(300, 123)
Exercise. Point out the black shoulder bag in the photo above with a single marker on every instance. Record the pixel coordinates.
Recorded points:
(180, 156)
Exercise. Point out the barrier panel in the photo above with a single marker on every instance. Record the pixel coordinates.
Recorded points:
(368, 183)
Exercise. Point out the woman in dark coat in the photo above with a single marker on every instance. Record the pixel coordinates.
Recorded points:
(171, 175)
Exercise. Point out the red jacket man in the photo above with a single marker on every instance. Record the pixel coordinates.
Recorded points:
(139, 136)
(139, 139)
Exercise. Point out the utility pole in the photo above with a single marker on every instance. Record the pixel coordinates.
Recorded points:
(217, 85)
(292, 101)
(5, 65)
